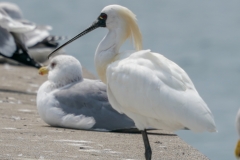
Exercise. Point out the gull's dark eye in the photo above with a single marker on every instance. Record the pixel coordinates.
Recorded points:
(53, 64)
(103, 16)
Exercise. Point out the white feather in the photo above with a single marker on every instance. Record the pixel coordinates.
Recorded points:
(9, 47)
(36, 36)
(14, 25)
(54, 116)
(156, 92)
(238, 123)
(146, 86)
(67, 68)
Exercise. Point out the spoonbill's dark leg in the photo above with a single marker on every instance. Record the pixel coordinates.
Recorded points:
(148, 150)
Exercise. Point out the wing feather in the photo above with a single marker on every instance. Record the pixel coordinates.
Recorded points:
(150, 85)
(89, 98)
(7, 43)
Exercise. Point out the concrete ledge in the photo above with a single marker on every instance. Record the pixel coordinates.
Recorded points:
(23, 135)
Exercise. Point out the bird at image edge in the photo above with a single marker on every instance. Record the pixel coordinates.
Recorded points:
(38, 41)
(237, 149)
(11, 45)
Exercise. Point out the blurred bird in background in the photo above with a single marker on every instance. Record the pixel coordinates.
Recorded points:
(24, 41)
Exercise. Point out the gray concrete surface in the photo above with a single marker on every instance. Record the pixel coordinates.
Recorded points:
(23, 135)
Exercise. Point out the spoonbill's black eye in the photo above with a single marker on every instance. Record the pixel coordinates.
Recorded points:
(53, 64)
(103, 16)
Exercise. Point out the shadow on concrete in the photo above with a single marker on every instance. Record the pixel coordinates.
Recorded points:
(16, 91)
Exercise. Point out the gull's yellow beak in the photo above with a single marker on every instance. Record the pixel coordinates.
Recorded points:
(237, 150)
(43, 70)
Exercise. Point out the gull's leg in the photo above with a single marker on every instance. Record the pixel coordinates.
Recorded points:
(148, 150)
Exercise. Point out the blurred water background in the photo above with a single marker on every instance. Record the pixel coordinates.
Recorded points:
(203, 37)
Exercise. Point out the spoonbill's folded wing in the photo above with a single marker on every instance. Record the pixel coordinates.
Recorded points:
(154, 90)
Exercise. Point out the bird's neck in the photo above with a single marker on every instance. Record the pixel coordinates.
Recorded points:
(65, 82)
(107, 50)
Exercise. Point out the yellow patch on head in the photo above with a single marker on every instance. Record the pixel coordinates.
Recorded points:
(43, 70)
(132, 30)
(237, 150)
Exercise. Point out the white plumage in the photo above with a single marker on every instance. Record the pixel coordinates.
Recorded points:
(68, 100)
(146, 86)
(156, 92)
(12, 25)
(52, 114)
(36, 38)
(11, 37)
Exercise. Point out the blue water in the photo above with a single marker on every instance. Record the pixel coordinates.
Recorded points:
(203, 37)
